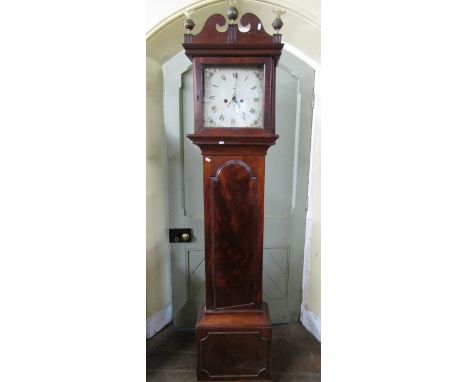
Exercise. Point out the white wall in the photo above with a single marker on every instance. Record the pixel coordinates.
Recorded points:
(301, 32)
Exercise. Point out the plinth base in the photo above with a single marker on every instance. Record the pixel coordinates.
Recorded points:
(234, 345)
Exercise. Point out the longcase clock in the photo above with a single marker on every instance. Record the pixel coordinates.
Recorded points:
(234, 95)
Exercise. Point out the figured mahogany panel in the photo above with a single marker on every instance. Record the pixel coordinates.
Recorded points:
(228, 354)
(234, 235)
(233, 188)
(234, 345)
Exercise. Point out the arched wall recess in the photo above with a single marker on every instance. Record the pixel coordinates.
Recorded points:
(163, 42)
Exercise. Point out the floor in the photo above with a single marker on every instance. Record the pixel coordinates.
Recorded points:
(171, 355)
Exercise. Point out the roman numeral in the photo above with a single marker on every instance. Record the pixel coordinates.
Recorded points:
(213, 97)
(234, 75)
(257, 99)
(255, 87)
(221, 117)
(252, 111)
(243, 116)
(215, 85)
(245, 79)
(214, 109)
(233, 121)
(223, 77)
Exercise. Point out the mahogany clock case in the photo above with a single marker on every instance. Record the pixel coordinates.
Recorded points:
(234, 329)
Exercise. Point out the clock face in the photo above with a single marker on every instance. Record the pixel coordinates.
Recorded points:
(233, 97)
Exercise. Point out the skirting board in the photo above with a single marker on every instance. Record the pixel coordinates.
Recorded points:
(158, 320)
(311, 322)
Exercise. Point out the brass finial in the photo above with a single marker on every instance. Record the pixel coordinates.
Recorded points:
(278, 23)
(188, 23)
(232, 12)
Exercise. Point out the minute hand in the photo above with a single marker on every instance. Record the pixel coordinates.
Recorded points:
(234, 98)
(235, 88)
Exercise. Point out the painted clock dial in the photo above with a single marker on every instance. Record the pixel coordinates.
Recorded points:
(233, 97)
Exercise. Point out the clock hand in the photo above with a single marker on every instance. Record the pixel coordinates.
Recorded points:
(234, 98)
(235, 90)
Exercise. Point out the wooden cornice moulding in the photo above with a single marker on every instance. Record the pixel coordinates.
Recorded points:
(267, 140)
(212, 145)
